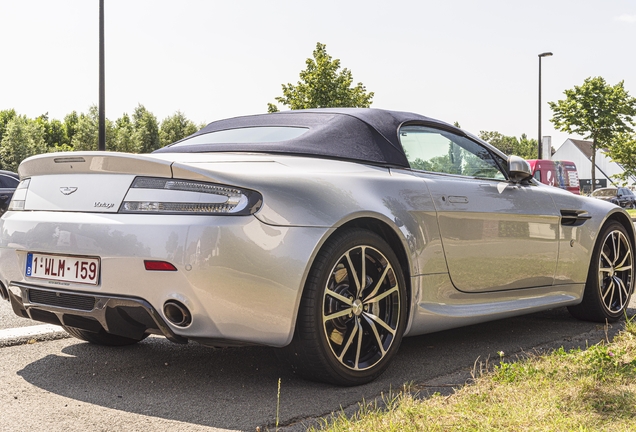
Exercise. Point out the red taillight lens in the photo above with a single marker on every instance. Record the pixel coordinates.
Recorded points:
(159, 266)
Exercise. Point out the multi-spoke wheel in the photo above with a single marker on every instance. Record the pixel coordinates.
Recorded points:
(353, 311)
(610, 278)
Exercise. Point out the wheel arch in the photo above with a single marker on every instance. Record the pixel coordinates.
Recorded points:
(624, 220)
(593, 305)
(380, 227)
(393, 239)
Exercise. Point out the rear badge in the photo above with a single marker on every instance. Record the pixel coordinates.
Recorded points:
(67, 190)
(104, 205)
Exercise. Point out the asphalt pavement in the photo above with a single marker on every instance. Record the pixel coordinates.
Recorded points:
(8, 319)
(68, 385)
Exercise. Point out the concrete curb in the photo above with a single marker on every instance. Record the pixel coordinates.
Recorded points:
(31, 334)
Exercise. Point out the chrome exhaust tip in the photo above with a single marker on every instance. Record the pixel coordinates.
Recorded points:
(177, 313)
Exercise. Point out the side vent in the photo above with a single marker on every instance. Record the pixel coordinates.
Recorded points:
(574, 217)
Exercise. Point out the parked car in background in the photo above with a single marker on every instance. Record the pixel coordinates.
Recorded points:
(330, 233)
(8, 182)
(620, 196)
(561, 174)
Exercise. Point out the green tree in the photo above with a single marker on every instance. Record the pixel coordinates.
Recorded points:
(596, 111)
(623, 151)
(5, 117)
(56, 134)
(322, 85)
(54, 131)
(175, 127)
(125, 139)
(146, 130)
(70, 125)
(528, 147)
(523, 147)
(86, 132)
(22, 138)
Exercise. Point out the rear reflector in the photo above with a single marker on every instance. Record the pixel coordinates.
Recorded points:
(159, 266)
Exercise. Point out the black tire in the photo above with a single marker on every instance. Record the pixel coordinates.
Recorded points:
(610, 279)
(364, 332)
(101, 337)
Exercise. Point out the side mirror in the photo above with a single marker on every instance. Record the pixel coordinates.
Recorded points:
(519, 169)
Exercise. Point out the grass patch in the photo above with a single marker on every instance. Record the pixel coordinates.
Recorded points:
(582, 390)
(632, 212)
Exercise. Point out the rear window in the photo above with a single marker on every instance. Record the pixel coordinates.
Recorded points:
(262, 134)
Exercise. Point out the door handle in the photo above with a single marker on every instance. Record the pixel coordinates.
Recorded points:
(457, 199)
(4, 197)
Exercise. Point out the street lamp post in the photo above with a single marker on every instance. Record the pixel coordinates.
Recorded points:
(545, 54)
(101, 144)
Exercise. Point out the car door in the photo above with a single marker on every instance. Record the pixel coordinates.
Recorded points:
(496, 235)
(7, 187)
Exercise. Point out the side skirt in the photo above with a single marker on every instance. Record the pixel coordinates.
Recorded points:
(437, 305)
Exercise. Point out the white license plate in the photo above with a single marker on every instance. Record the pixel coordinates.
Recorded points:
(63, 268)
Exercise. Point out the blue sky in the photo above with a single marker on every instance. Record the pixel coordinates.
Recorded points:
(466, 61)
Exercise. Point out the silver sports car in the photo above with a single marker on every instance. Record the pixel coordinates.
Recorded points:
(331, 233)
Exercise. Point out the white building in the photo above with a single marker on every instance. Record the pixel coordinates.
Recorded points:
(580, 152)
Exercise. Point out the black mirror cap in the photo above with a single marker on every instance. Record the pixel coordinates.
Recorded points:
(519, 169)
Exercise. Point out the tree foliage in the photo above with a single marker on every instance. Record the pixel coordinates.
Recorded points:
(175, 128)
(22, 138)
(523, 146)
(146, 129)
(86, 133)
(322, 85)
(596, 111)
(125, 136)
(623, 151)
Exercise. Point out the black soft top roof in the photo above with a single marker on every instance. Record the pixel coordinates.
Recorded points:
(361, 134)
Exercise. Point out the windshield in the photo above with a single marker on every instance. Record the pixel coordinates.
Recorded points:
(605, 192)
(262, 134)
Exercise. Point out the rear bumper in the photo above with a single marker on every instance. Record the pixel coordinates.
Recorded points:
(240, 279)
(129, 317)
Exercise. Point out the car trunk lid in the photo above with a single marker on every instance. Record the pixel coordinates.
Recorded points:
(84, 181)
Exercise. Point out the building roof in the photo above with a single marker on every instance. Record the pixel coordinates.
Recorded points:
(584, 146)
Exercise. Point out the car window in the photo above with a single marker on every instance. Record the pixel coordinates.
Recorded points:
(605, 192)
(434, 150)
(261, 134)
(8, 181)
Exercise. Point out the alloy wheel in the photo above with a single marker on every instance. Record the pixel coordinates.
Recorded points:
(361, 308)
(615, 271)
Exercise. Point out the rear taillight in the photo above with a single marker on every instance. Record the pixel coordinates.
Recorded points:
(19, 196)
(173, 196)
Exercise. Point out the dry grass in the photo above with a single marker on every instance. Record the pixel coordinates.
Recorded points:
(582, 390)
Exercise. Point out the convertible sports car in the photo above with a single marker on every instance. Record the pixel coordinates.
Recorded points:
(331, 233)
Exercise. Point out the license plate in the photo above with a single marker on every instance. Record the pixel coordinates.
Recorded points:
(63, 268)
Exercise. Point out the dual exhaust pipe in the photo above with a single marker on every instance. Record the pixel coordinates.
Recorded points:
(177, 313)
